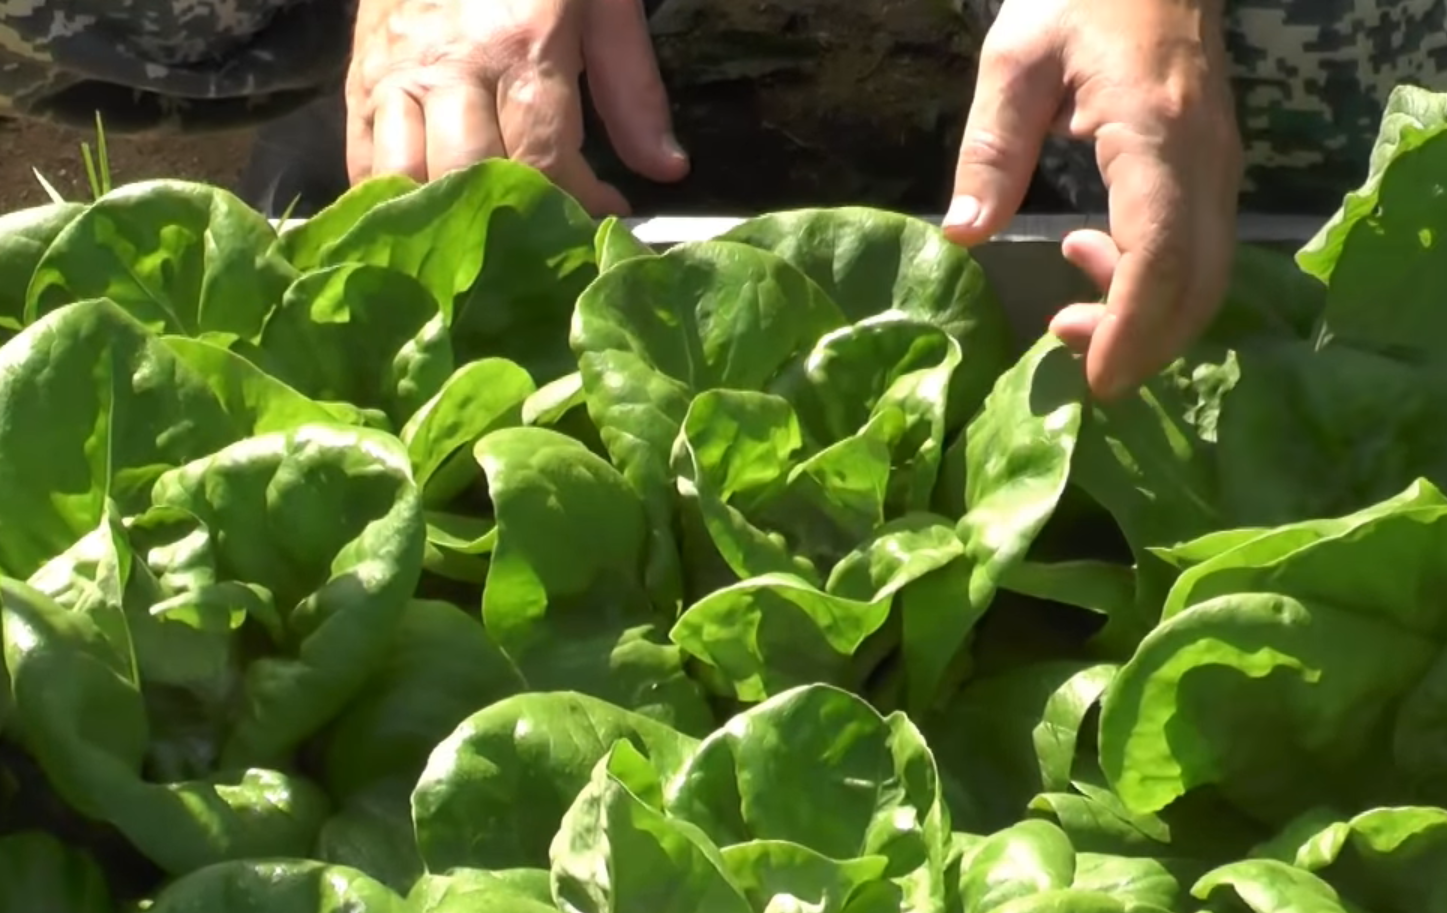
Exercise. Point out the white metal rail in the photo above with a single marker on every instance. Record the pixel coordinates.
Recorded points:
(1252, 229)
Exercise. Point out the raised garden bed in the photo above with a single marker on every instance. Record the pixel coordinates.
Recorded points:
(448, 552)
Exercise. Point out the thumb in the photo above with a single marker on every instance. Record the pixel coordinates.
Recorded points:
(628, 91)
(1017, 97)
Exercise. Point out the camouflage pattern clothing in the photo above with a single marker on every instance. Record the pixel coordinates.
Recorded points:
(1311, 76)
(149, 63)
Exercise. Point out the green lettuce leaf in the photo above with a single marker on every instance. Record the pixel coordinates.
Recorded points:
(38, 872)
(282, 886)
(495, 790)
(136, 405)
(25, 236)
(871, 262)
(181, 258)
(164, 674)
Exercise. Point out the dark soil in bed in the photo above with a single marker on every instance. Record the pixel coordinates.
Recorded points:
(781, 104)
(811, 102)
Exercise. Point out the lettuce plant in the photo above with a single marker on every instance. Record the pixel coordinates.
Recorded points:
(448, 552)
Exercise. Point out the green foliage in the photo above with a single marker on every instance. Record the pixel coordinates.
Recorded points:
(447, 553)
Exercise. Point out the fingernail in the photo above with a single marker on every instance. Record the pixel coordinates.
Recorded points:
(673, 148)
(964, 212)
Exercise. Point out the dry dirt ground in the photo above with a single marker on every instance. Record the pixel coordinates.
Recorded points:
(55, 151)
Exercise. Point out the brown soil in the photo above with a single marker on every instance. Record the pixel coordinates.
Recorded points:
(788, 103)
(55, 152)
(781, 104)
(797, 102)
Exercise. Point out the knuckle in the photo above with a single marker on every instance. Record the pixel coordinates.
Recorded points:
(522, 88)
(1173, 102)
(548, 161)
(1188, 115)
(526, 41)
(1005, 56)
(510, 44)
(363, 74)
(375, 75)
(987, 148)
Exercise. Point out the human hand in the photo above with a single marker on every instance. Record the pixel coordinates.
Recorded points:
(437, 85)
(1147, 80)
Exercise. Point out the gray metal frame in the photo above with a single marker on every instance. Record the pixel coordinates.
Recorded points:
(1030, 277)
(1253, 229)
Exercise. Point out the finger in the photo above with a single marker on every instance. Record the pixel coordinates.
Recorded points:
(1095, 254)
(628, 91)
(1075, 325)
(541, 117)
(1157, 282)
(399, 137)
(359, 144)
(462, 128)
(1016, 99)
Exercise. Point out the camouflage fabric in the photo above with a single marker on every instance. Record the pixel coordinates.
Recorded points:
(1311, 78)
(149, 63)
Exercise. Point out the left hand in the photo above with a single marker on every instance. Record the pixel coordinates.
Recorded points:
(435, 85)
(1146, 80)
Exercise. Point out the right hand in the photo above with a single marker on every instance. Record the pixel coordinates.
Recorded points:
(437, 85)
(1148, 82)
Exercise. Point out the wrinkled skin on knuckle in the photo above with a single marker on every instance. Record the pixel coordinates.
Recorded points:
(1012, 65)
(422, 43)
(1026, 27)
(546, 161)
(1012, 53)
(509, 45)
(523, 92)
(361, 90)
(985, 148)
(523, 87)
(1115, 101)
(1005, 56)
(1178, 101)
(367, 66)
(522, 36)
(1204, 124)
